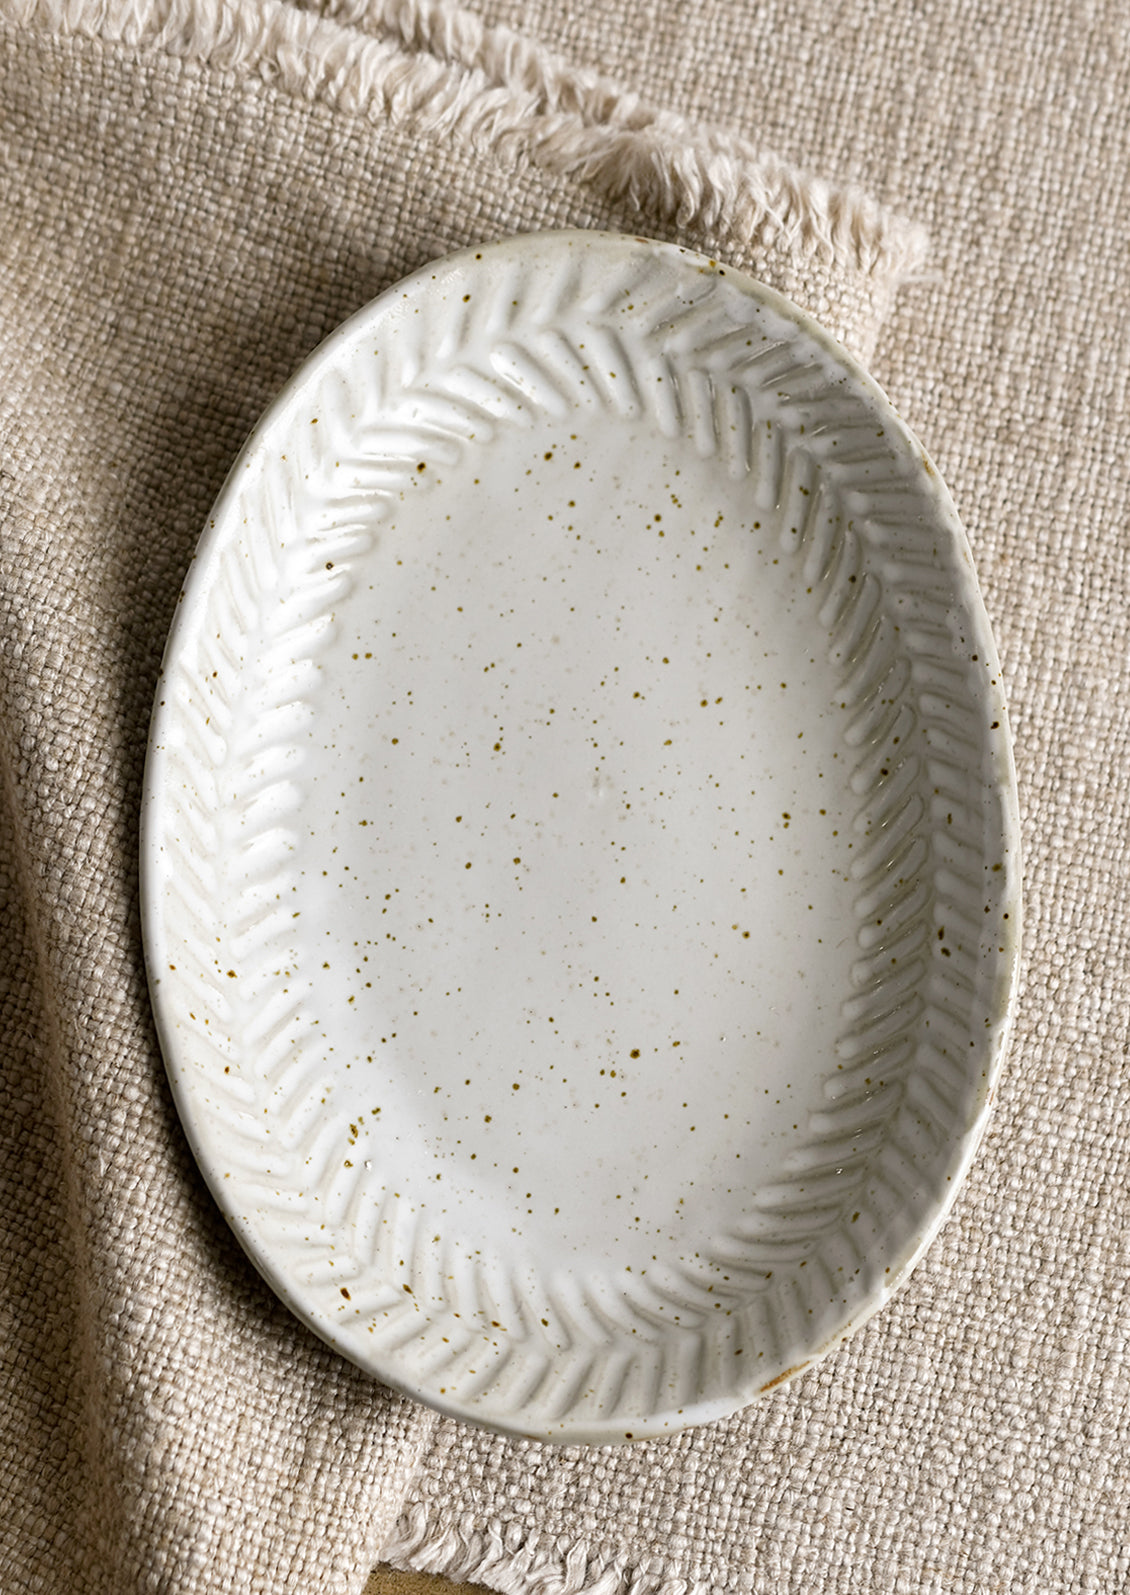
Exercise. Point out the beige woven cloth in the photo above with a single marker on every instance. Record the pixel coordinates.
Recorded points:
(192, 194)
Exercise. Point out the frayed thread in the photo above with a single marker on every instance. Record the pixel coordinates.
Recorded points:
(513, 1563)
(438, 70)
(709, 179)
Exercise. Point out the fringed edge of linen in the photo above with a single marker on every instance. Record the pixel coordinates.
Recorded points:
(436, 68)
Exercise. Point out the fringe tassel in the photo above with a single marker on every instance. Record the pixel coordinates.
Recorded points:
(436, 68)
(707, 177)
(467, 1552)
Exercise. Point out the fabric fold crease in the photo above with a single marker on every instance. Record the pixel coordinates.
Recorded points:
(196, 192)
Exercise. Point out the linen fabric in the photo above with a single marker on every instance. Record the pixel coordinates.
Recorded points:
(193, 194)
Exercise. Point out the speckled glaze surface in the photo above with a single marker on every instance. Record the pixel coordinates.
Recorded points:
(579, 866)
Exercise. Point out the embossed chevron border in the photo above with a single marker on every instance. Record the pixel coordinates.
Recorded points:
(874, 542)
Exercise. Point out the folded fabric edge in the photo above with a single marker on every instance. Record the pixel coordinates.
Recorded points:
(436, 68)
(466, 1551)
(717, 178)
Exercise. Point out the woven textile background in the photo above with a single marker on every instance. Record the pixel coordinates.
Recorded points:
(193, 194)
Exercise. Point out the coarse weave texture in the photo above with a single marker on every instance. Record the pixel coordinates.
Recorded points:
(193, 194)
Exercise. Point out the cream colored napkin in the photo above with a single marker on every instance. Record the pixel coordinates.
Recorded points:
(193, 193)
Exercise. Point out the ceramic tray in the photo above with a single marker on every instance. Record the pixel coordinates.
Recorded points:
(579, 871)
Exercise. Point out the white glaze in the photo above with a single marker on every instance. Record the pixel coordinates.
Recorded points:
(582, 674)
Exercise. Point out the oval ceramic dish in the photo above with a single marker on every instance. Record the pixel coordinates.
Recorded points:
(580, 880)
